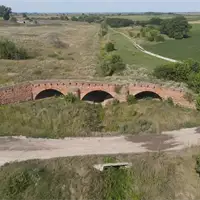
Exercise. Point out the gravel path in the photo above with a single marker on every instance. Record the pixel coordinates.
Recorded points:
(22, 148)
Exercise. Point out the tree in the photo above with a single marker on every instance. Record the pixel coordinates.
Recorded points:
(111, 64)
(109, 47)
(155, 21)
(24, 15)
(5, 12)
(177, 27)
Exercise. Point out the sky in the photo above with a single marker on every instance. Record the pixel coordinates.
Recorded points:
(70, 6)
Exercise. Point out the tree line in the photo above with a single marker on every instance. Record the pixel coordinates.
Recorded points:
(5, 12)
(176, 27)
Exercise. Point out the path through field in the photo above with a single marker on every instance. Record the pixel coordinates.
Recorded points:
(21, 148)
(137, 46)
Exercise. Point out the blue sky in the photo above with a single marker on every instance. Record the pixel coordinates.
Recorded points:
(103, 5)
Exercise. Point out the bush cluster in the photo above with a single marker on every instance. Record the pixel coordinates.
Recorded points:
(87, 18)
(119, 22)
(177, 27)
(9, 50)
(111, 64)
(151, 34)
(187, 72)
(109, 47)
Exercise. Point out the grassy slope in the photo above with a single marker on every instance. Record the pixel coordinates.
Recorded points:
(131, 55)
(179, 49)
(153, 176)
(54, 118)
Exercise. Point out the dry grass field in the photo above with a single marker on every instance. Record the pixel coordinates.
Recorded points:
(66, 50)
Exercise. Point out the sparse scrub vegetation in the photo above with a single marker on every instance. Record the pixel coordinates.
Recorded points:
(152, 176)
(57, 118)
(9, 50)
(131, 99)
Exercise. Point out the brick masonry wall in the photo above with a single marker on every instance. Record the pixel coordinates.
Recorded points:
(29, 91)
(16, 93)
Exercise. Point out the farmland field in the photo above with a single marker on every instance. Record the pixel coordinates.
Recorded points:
(179, 49)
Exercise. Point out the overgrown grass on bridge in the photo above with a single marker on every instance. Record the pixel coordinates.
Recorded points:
(55, 118)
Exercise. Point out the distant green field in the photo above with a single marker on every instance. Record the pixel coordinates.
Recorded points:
(147, 17)
(179, 49)
(131, 55)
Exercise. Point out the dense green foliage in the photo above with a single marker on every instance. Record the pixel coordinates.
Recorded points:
(9, 50)
(87, 18)
(5, 12)
(110, 64)
(177, 27)
(109, 47)
(131, 99)
(198, 103)
(119, 22)
(155, 21)
(151, 34)
(188, 72)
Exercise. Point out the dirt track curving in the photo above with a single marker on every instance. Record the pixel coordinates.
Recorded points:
(21, 148)
(137, 46)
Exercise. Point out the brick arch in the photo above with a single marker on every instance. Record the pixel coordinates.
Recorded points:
(48, 93)
(97, 96)
(148, 93)
(40, 87)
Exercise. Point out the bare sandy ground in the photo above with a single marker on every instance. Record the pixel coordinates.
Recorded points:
(21, 148)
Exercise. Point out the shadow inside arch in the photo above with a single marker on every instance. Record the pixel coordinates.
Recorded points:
(48, 93)
(97, 96)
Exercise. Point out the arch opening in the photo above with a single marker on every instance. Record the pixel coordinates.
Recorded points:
(48, 93)
(147, 95)
(97, 96)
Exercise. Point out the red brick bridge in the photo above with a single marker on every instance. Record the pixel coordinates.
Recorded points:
(89, 91)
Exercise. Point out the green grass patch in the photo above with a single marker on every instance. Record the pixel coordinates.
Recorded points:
(131, 55)
(179, 49)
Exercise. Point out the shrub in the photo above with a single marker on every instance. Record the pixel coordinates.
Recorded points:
(111, 64)
(150, 38)
(170, 101)
(189, 97)
(9, 50)
(131, 99)
(130, 34)
(198, 103)
(109, 47)
(70, 98)
(159, 38)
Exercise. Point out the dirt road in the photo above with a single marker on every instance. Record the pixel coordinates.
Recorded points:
(21, 148)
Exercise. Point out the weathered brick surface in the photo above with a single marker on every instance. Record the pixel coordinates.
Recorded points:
(29, 91)
(16, 93)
